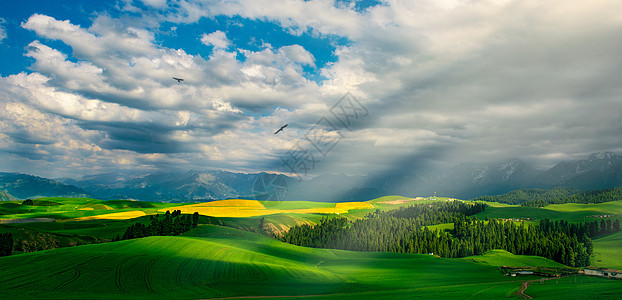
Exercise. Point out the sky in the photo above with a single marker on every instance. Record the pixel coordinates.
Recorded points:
(365, 87)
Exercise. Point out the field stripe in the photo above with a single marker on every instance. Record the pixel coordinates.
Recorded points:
(75, 277)
(180, 272)
(117, 276)
(148, 273)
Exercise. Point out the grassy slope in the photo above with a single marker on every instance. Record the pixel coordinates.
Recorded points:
(77, 207)
(576, 287)
(607, 251)
(504, 258)
(571, 212)
(214, 261)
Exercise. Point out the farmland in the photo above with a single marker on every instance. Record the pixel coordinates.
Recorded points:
(211, 261)
(228, 255)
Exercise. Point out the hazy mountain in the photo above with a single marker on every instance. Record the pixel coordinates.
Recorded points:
(4, 196)
(160, 186)
(598, 171)
(24, 186)
(467, 180)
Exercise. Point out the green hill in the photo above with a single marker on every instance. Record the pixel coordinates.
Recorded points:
(607, 251)
(222, 261)
(215, 261)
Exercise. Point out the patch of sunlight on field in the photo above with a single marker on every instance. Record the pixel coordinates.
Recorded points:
(251, 208)
(235, 203)
(614, 207)
(86, 208)
(113, 216)
(354, 205)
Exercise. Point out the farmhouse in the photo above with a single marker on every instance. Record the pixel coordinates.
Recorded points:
(611, 273)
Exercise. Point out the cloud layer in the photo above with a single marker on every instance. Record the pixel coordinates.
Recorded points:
(444, 82)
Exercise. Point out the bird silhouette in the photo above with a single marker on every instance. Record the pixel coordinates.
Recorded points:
(178, 79)
(281, 129)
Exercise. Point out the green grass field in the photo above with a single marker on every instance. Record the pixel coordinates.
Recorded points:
(504, 258)
(571, 212)
(608, 251)
(576, 287)
(217, 261)
(229, 259)
(69, 208)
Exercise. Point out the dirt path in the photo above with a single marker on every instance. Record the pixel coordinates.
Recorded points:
(525, 285)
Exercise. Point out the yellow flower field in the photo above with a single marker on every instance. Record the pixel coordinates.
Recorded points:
(238, 208)
(114, 216)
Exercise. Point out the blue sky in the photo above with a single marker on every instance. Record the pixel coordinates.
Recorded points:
(86, 86)
(244, 33)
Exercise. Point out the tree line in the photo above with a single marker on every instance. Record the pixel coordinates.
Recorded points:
(596, 196)
(405, 231)
(172, 224)
(6, 244)
(380, 230)
(558, 195)
(518, 197)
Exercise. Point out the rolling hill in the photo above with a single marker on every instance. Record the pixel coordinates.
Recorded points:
(228, 257)
(215, 261)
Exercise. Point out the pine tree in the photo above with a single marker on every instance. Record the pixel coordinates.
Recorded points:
(195, 219)
(609, 225)
(6, 244)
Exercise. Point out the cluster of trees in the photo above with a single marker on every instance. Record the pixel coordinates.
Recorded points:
(6, 244)
(380, 230)
(172, 224)
(591, 229)
(31, 202)
(558, 241)
(519, 197)
(400, 231)
(558, 195)
(598, 196)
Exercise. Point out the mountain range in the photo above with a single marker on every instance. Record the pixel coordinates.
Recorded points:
(468, 180)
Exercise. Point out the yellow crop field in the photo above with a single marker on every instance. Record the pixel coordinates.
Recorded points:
(86, 208)
(114, 216)
(238, 208)
(225, 208)
(234, 203)
(320, 210)
(354, 205)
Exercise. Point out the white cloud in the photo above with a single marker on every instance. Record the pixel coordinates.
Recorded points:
(218, 39)
(485, 80)
(155, 3)
(2, 30)
(297, 53)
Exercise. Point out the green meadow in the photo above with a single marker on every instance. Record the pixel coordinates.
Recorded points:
(69, 208)
(608, 251)
(217, 261)
(232, 257)
(571, 212)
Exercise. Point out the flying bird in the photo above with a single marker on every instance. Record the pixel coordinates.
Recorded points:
(281, 129)
(178, 79)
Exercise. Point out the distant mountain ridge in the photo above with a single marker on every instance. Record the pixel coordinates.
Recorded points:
(599, 171)
(4, 196)
(467, 180)
(24, 186)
